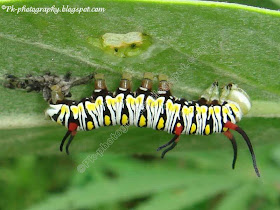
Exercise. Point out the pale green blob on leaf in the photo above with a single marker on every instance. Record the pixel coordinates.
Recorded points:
(122, 45)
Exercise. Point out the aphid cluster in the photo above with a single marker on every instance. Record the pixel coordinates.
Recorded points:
(212, 113)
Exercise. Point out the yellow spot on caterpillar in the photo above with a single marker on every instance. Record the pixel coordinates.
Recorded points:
(186, 110)
(153, 104)
(203, 109)
(207, 129)
(156, 103)
(142, 121)
(63, 109)
(169, 105)
(176, 108)
(234, 108)
(172, 108)
(217, 110)
(98, 102)
(107, 120)
(150, 102)
(179, 125)
(124, 119)
(191, 109)
(119, 99)
(109, 101)
(75, 110)
(225, 129)
(133, 101)
(159, 101)
(211, 110)
(193, 128)
(139, 100)
(91, 106)
(160, 123)
(90, 125)
(114, 101)
(130, 101)
(225, 110)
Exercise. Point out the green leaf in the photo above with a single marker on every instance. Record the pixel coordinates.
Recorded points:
(188, 197)
(238, 199)
(194, 43)
(270, 4)
(137, 182)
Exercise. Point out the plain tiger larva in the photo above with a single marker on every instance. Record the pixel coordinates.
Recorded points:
(212, 113)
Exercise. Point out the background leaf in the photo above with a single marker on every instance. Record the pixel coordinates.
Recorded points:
(194, 43)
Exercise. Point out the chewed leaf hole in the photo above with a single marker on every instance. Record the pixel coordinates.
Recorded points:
(122, 45)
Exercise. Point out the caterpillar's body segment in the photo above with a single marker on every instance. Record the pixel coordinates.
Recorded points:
(212, 113)
(145, 110)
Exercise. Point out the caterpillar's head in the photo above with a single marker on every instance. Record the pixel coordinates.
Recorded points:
(233, 93)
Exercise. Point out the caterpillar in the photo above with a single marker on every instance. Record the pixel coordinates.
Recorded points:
(211, 113)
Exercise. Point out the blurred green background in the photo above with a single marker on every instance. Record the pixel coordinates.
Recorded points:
(206, 42)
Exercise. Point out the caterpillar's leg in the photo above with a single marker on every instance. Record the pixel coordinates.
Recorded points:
(164, 86)
(174, 140)
(232, 126)
(229, 135)
(72, 130)
(211, 94)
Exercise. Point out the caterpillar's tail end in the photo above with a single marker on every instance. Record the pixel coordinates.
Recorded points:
(232, 126)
